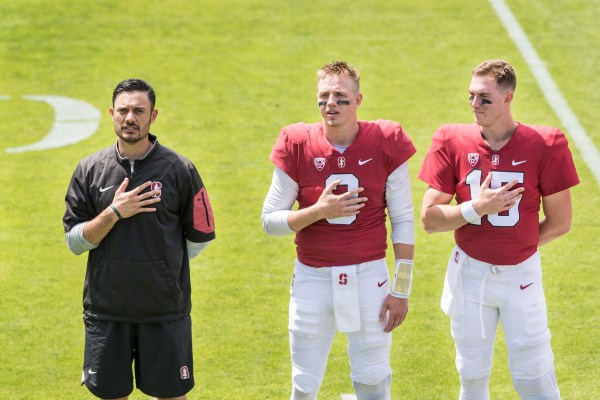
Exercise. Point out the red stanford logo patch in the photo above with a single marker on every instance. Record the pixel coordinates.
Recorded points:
(156, 186)
(184, 372)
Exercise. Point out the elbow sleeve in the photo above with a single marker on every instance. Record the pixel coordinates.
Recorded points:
(76, 241)
(276, 223)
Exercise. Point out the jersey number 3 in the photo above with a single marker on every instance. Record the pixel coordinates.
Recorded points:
(499, 178)
(350, 182)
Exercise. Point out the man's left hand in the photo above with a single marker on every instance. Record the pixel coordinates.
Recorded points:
(398, 309)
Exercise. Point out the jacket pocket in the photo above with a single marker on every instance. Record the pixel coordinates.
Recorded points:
(136, 290)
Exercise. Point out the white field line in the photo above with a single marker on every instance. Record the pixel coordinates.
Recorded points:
(551, 92)
(549, 88)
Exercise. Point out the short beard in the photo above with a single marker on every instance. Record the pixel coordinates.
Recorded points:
(131, 139)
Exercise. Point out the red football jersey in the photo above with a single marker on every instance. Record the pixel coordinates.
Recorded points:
(303, 152)
(537, 157)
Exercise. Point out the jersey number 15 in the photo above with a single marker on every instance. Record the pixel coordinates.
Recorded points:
(499, 178)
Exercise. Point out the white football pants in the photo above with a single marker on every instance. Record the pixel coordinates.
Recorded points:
(513, 295)
(315, 300)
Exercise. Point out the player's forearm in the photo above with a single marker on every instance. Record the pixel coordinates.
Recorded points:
(550, 230)
(300, 219)
(442, 218)
(404, 251)
(97, 229)
(558, 215)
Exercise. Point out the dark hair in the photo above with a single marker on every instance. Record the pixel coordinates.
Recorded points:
(135, 85)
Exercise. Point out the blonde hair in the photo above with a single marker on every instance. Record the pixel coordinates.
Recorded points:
(339, 68)
(500, 70)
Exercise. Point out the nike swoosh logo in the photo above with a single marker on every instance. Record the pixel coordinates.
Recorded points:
(105, 189)
(523, 287)
(380, 284)
(515, 163)
(361, 162)
(90, 370)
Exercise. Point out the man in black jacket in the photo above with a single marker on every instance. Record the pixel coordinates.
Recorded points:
(142, 212)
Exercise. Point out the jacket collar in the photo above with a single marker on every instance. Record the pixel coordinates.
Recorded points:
(138, 161)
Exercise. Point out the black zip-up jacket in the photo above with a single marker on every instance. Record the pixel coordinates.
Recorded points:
(140, 271)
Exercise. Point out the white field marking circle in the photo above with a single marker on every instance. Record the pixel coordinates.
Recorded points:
(549, 88)
(74, 121)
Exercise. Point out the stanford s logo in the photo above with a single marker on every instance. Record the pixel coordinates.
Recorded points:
(184, 372)
(343, 279)
(156, 186)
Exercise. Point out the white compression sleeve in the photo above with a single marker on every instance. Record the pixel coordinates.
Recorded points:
(76, 241)
(278, 203)
(194, 249)
(399, 204)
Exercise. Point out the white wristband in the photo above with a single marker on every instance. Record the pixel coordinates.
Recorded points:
(402, 283)
(468, 211)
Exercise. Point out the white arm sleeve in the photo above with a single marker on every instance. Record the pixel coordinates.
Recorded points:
(76, 241)
(278, 204)
(194, 249)
(399, 204)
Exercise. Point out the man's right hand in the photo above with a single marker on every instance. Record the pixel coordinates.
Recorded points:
(332, 205)
(494, 201)
(132, 202)
(127, 204)
(329, 205)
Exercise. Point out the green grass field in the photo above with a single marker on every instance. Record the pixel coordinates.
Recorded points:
(228, 75)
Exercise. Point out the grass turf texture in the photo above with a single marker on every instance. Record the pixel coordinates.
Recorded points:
(228, 76)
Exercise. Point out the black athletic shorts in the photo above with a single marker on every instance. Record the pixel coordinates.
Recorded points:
(161, 352)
